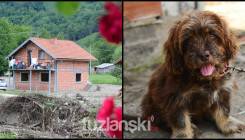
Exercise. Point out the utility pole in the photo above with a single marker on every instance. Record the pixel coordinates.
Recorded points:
(90, 60)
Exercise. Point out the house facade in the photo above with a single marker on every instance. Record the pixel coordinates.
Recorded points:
(50, 65)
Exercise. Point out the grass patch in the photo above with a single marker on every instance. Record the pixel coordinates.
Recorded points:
(105, 79)
(11, 91)
(7, 135)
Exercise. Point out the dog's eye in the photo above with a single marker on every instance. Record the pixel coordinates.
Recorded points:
(186, 42)
(185, 45)
(191, 55)
(213, 36)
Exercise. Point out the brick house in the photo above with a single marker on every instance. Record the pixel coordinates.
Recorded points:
(50, 65)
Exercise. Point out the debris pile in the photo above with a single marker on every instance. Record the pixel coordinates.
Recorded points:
(61, 116)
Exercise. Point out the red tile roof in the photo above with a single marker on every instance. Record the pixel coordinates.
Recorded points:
(63, 49)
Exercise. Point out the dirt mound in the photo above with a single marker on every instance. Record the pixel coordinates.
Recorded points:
(36, 112)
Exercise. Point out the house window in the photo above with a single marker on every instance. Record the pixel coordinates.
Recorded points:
(78, 77)
(41, 54)
(44, 77)
(24, 77)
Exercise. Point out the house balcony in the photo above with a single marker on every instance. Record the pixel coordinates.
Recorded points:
(38, 65)
(31, 69)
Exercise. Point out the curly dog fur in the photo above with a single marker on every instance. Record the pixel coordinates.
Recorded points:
(192, 83)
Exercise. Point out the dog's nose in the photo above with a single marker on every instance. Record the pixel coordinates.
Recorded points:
(206, 56)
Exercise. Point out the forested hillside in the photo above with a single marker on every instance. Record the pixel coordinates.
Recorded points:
(21, 20)
(100, 48)
(44, 19)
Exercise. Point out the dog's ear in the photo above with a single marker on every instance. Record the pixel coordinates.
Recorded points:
(173, 50)
(230, 45)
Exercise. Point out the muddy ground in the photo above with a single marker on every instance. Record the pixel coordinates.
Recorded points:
(32, 115)
(142, 53)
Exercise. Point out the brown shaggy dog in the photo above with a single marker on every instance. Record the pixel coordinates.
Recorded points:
(194, 81)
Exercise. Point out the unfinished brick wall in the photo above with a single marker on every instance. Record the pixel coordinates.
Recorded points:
(66, 75)
(22, 55)
(36, 83)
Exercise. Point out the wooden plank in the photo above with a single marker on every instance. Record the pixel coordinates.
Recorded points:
(14, 79)
(9, 79)
(30, 80)
(55, 79)
(49, 82)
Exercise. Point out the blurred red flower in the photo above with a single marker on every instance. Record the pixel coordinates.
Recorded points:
(110, 25)
(111, 118)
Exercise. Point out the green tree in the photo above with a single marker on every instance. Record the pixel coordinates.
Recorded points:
(100, 48)
(7, 44)
(20, 33)
(117, 54)
(45, 34)
(106, 52)
(10, 37)
(117, 72)
(60, 35)
(6, 40)
(4, 65)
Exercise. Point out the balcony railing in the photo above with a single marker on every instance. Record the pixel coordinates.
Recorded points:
(38, 65)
